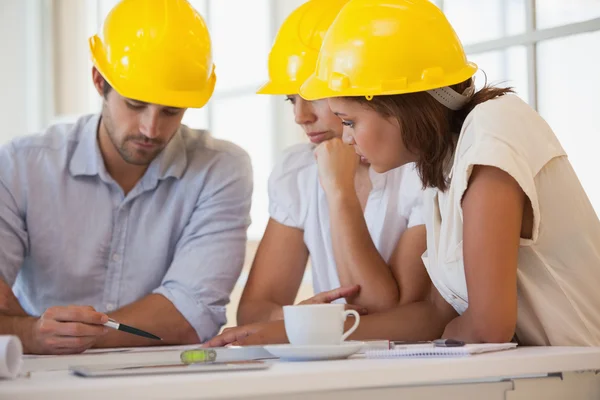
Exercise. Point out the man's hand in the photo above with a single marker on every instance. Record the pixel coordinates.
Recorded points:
(332, 295)
(253, 334)
(65, 330)
(9, 304)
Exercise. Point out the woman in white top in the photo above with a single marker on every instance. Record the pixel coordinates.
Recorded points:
(307, 219)
(513, 243)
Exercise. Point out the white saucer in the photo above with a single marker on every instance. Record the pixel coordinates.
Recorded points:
(289, 352)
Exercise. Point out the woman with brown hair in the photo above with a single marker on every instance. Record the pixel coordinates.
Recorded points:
(513, 243)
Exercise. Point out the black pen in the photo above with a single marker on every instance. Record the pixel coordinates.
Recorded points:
(129, 329)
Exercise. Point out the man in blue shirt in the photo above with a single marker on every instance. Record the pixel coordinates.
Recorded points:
(128, 213)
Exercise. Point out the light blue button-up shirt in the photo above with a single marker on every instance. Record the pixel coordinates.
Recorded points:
(69, 235)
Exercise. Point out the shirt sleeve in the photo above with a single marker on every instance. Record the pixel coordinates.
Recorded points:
(210, 253)
(13, 231)
(289, 184)
(413, 190)
(508, 134)
(493, 152)
(415, 217)
(410, 196)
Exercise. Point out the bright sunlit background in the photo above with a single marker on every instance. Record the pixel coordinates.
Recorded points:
(548, 50)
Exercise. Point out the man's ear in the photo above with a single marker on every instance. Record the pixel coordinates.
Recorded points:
(98, 81)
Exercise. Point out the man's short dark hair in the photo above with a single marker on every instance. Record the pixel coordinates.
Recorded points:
(106, 88)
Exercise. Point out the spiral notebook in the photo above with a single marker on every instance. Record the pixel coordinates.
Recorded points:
(430, 350)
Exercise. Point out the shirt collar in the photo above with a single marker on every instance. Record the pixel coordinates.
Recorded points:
(87, 158)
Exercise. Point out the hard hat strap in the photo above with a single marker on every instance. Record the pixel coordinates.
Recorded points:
(451, 98)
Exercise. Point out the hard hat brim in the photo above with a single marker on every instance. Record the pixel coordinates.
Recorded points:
(316, 89)
(275, 88)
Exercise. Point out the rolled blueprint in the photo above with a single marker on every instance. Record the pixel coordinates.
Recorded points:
(11, 356)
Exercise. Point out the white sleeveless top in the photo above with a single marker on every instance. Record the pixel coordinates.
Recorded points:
(296, 199)
(558, 275)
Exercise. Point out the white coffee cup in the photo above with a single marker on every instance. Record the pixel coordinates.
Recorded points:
(312, 324)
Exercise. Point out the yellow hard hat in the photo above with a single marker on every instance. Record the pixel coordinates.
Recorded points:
(384, 47)
(157, 52)
(293, 56)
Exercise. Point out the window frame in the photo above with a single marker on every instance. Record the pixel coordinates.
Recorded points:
(530, 40)
(247, 90)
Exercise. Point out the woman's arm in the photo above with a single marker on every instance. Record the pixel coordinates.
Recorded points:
(358, 260)
(421, 320)
(275, 275)
(493, 208)
(407, 265)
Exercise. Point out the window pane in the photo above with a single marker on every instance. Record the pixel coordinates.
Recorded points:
(503, 68)
(241, 42)
(200, 6)
(196, 118)
(560, 12)
(479, 21)
(568, 90)
(247, 122)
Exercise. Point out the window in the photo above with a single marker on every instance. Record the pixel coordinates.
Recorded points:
(241, 45)
(548, 51)
(568, 89)
(506, 67)
(246, 121)
(478, 21)
(550, 13)
(197, 118)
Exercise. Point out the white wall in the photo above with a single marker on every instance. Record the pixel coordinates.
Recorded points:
(72, 65)
(26, 104)
(13, 47)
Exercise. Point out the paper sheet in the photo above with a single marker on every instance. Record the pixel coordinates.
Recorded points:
(425, 350)
(141, 349)
(153, 349)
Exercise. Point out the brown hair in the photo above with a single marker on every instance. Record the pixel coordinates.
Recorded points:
(429, 128)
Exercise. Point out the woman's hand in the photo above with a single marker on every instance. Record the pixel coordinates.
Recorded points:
(337, 163)
(252, 334)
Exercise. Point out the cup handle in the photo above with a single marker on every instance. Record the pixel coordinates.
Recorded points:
(356, 321)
